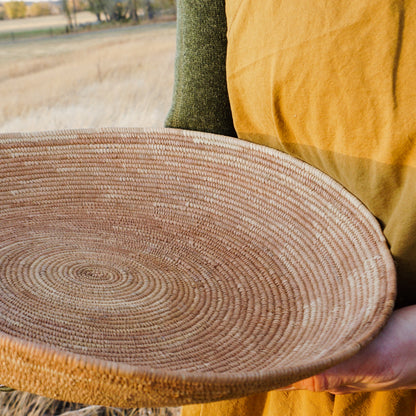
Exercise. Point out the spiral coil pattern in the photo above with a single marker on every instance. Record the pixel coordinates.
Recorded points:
(169, 267)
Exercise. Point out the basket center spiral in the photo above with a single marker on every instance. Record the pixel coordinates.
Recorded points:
(96, 273)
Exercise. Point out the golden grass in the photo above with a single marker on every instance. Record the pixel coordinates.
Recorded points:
(113, 78)
(118, 78)
(25, 404)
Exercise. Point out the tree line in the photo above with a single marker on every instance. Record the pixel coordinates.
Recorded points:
(118, 10)
(19, 9)
(104, 10)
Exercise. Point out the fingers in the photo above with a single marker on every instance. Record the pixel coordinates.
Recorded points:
(336, 385)
(316, 383)
(314, 386)
(327, 382)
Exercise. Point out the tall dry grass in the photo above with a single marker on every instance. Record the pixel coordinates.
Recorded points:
(25, 404)
(118, 78)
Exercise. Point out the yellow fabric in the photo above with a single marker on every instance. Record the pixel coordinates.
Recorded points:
(311, 404)
(337, 74)
(333, 83)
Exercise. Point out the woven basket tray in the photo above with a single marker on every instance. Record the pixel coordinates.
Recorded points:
(161, 267)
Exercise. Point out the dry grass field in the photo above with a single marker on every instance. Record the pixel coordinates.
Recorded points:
(25, 404)
(116, 78)
(101, 79)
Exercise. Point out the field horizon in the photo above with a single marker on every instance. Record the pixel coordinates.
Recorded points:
(37, 22)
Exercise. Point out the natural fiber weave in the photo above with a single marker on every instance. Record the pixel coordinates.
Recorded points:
(161, 267)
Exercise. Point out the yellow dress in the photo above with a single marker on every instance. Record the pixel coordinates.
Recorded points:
(334, 84)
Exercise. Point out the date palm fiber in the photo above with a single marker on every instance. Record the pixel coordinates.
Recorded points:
(165, 267)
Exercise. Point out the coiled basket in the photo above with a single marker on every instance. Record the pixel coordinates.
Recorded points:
(166, 267)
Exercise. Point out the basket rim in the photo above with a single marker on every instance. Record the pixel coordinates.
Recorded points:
(266, 376)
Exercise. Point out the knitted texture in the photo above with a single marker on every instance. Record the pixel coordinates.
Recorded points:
(200, 98)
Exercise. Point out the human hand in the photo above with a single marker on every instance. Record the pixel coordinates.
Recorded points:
(387, 363)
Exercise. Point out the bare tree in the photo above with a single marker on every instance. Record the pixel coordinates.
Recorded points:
(67, 11)
(133, 10)
(96, 7)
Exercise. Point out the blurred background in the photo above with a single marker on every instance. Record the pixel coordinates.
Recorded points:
(84, 64)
